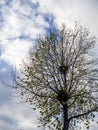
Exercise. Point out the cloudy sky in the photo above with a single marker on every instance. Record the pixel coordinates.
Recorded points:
(21, 22)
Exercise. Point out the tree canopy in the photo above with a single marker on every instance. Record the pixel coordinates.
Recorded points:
(61, 78)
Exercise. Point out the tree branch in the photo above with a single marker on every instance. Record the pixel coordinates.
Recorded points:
(83, 114)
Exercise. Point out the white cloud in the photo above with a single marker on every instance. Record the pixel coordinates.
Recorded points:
(68, 11)
(15, 51)
(15, 116)
(16, 24)
(11, 27)
(19, 21)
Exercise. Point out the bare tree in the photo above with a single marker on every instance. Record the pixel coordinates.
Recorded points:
(60, 78)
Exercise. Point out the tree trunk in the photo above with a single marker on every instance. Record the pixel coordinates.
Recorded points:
(66, 122)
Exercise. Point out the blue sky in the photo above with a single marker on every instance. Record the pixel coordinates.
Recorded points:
(21, 22)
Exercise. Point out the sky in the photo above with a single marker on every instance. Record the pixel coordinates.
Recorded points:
(21, 22)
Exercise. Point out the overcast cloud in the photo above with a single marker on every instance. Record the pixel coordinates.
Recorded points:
(21, 22)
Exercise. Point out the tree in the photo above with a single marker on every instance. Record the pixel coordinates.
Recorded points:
(60, 79)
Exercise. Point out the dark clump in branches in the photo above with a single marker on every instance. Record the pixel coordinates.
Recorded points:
(63, 69)
(60, 79)
(62, 97)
